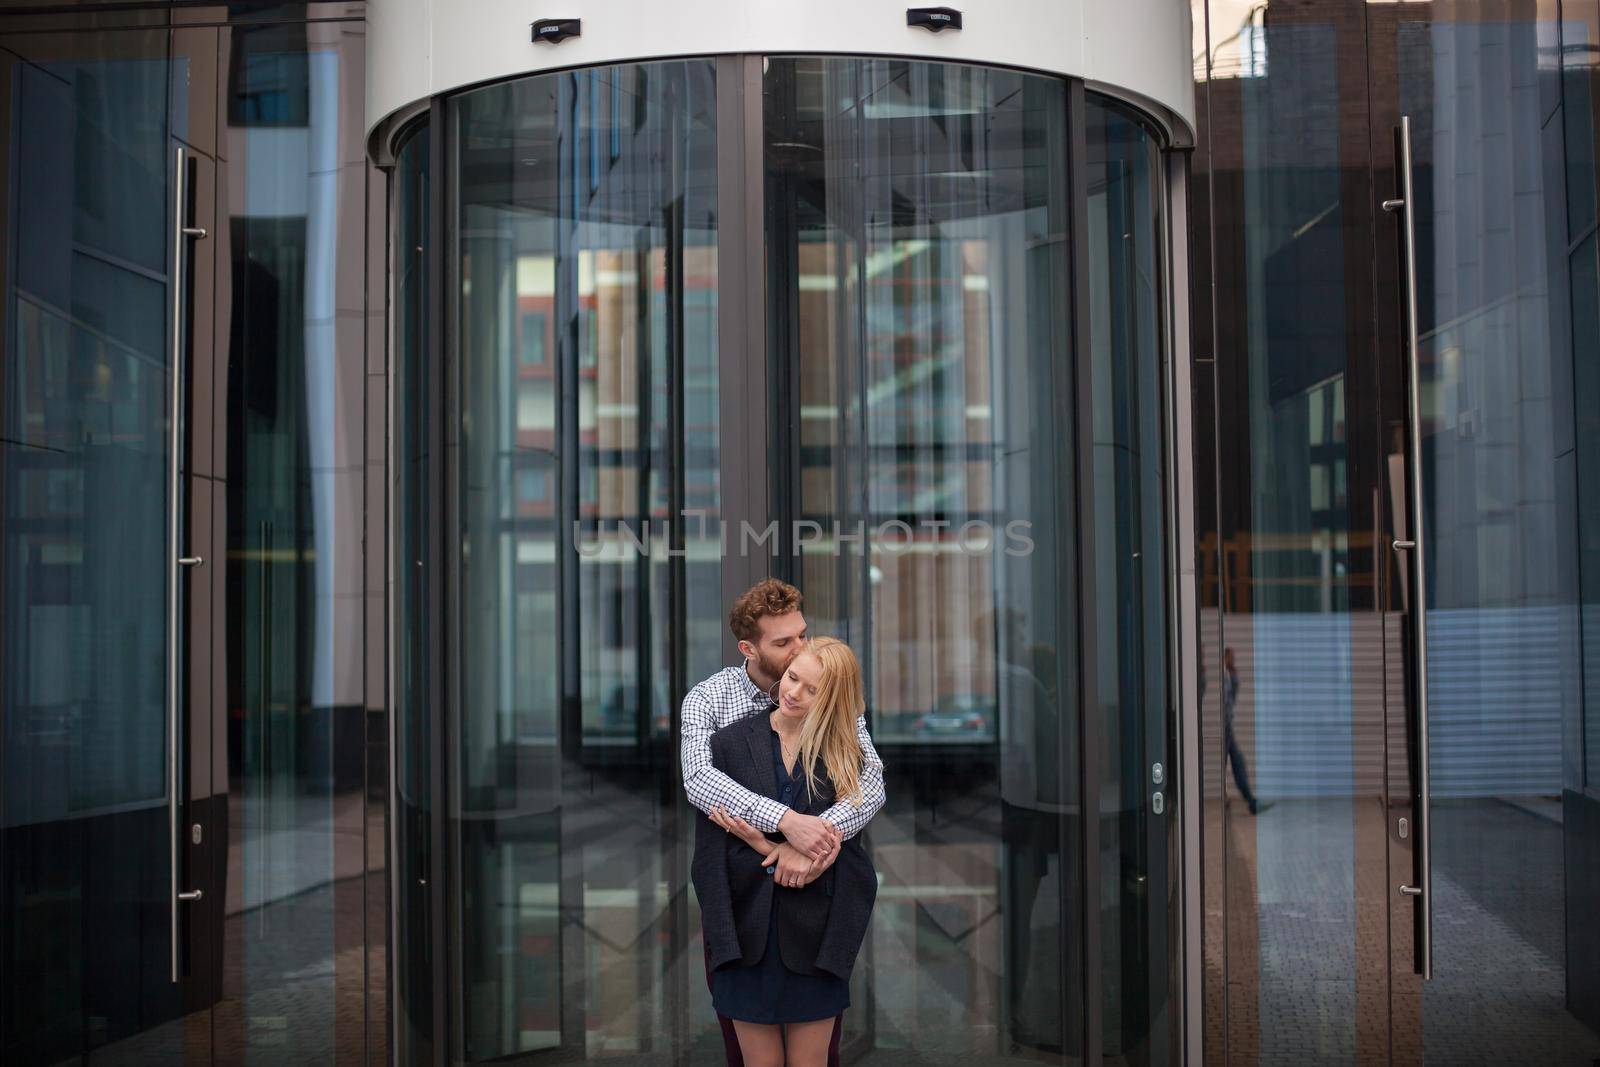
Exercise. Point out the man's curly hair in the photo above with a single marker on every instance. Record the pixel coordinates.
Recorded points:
(767, 597)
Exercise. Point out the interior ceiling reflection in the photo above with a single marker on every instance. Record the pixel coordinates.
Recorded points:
(555, 151)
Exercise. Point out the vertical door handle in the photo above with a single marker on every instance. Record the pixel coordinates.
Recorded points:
(1405, 205)
(176, 560)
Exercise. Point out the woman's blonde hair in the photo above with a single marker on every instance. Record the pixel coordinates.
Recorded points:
(829, 731)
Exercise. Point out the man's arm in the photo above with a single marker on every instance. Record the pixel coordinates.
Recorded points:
(708, 787)
(850, 819)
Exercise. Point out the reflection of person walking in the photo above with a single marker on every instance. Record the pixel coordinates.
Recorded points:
(1230, 697)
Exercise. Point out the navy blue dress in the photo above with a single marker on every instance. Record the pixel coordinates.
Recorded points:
(769, 992)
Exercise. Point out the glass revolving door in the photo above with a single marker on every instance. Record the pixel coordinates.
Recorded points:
(957, 456)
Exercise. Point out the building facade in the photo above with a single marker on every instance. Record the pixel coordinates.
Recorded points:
(396, 395)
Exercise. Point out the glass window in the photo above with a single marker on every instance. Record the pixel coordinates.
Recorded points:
(533, 337)
(269, 80)
(532, 486)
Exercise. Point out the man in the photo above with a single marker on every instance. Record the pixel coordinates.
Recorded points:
(771, 631)
(1230, 697)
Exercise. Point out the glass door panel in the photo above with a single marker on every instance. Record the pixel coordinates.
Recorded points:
(1494, 98)
(1292, 694)
(920, 290)
(1128, 456)
(585, 592)
(102, 709)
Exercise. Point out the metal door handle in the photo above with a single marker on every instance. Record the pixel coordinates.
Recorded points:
(176, 561)
(1406, 205)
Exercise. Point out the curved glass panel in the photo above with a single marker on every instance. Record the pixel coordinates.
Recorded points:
(1128, 533)
(922, 305)
(586, 292)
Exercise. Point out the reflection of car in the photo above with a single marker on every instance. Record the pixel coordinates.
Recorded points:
(955, 718)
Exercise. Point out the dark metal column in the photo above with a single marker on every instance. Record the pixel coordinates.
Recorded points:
(434, 547)
(1077, 408)
(744, 401)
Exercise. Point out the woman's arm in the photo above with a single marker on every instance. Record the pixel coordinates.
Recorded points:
(741, 829)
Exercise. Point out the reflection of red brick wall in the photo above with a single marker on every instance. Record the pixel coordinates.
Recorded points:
(932, 634)
(928, 454)
(620, 326)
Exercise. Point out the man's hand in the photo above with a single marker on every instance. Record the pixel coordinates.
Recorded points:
(741, 829)
(818, 866)
(809, 834)
(792, 867)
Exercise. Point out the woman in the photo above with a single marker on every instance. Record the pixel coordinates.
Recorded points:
(781, 954)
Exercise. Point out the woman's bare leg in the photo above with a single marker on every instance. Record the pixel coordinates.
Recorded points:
(807, 1043)
(761, 1045)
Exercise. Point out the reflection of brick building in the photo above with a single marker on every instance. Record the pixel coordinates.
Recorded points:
(897, 421)
(622, 392)
(910, 441)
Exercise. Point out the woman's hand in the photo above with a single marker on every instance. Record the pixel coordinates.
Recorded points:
(788, 867)
(818, 866)
(743, 830)
(793, 870)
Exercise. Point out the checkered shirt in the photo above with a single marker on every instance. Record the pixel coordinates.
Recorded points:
(726, 697)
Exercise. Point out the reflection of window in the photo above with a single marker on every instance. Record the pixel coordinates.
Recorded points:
(1325, 441)
(700, 329)
(700, 405)
(536, 405)
(532, 486)
(268, 84)
(588, 337)
(532, 351)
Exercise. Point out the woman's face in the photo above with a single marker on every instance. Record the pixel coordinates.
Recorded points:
(798, 689)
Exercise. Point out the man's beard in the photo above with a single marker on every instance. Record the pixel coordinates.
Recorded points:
(769, 669)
